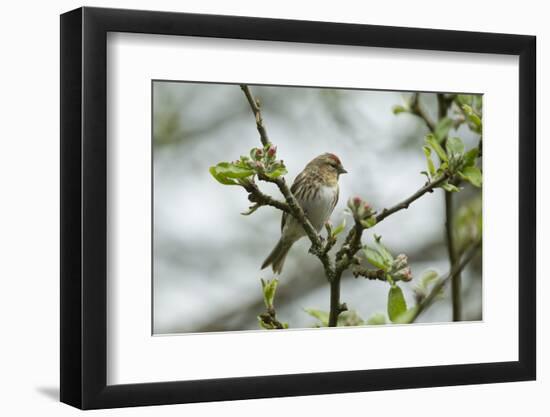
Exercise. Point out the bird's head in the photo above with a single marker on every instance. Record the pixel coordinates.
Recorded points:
(329, 163)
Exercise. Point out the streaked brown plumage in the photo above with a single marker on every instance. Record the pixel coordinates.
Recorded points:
(316, 189)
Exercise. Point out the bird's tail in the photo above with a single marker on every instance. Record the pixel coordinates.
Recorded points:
(277, 256)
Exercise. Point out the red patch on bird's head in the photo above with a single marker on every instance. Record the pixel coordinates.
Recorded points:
(334, 158)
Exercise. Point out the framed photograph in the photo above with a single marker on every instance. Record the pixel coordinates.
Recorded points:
(260, 208)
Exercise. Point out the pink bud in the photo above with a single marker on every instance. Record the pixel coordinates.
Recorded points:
(272, 151)
(357, 201)
(259, 165)
(259, 153)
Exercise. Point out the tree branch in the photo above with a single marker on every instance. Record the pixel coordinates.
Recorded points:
(373, 274)
(443, 107)
(419, 111)
(261, 199)
(255, 106)
(455, 271)
(454, 257)
(427, 188)
(352, 244)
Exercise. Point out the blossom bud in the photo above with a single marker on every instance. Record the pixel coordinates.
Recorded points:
(354, 203)
(367, 210)
(259, 153)
(400, 261)
(272, 151)
(259, 165)
(404, 274)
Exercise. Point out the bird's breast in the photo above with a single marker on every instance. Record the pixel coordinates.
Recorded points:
(319, 206)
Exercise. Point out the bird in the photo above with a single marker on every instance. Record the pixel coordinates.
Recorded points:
(316, 190)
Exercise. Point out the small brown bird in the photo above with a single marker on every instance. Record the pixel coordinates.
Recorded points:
(316, 189)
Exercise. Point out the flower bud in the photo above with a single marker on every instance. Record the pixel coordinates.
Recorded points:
(404, 274)
(259, 153)
(272, 151)
(367, 210)
(259, 165)
(354, 203)
(400, 261)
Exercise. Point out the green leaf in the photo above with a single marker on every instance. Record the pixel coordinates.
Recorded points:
(221, 178)
(369, 222)
(350, 318)
(477, 102)
(277, 172)
(455, 147)
(396, 303)
(229, 170)
(442, 128)
(320, 315)
(253, 154)
(472, 117)
(472, 175)
(339, 229)
(399, 109)
(269, 289)
(432, 141)
(375, 258)
(407, 316)
(427, 278)
(470, 157)
(464, 99)
(388, 257)
(431, 166)
(376, 319)
(450, 187)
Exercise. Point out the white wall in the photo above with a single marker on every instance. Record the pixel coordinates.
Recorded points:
(29, 173)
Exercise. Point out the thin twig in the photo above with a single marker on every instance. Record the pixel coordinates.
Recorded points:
(372, 274)
(427, 188)
(256, 196)
(455, 271)
(442, 108)
(255, 106)
(419, 111)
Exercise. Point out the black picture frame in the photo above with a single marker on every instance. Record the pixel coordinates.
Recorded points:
(84, 207)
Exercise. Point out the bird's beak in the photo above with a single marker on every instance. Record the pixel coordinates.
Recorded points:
(341, 170)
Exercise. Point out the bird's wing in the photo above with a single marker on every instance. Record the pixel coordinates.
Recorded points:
(301, 176)
(336, 195)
